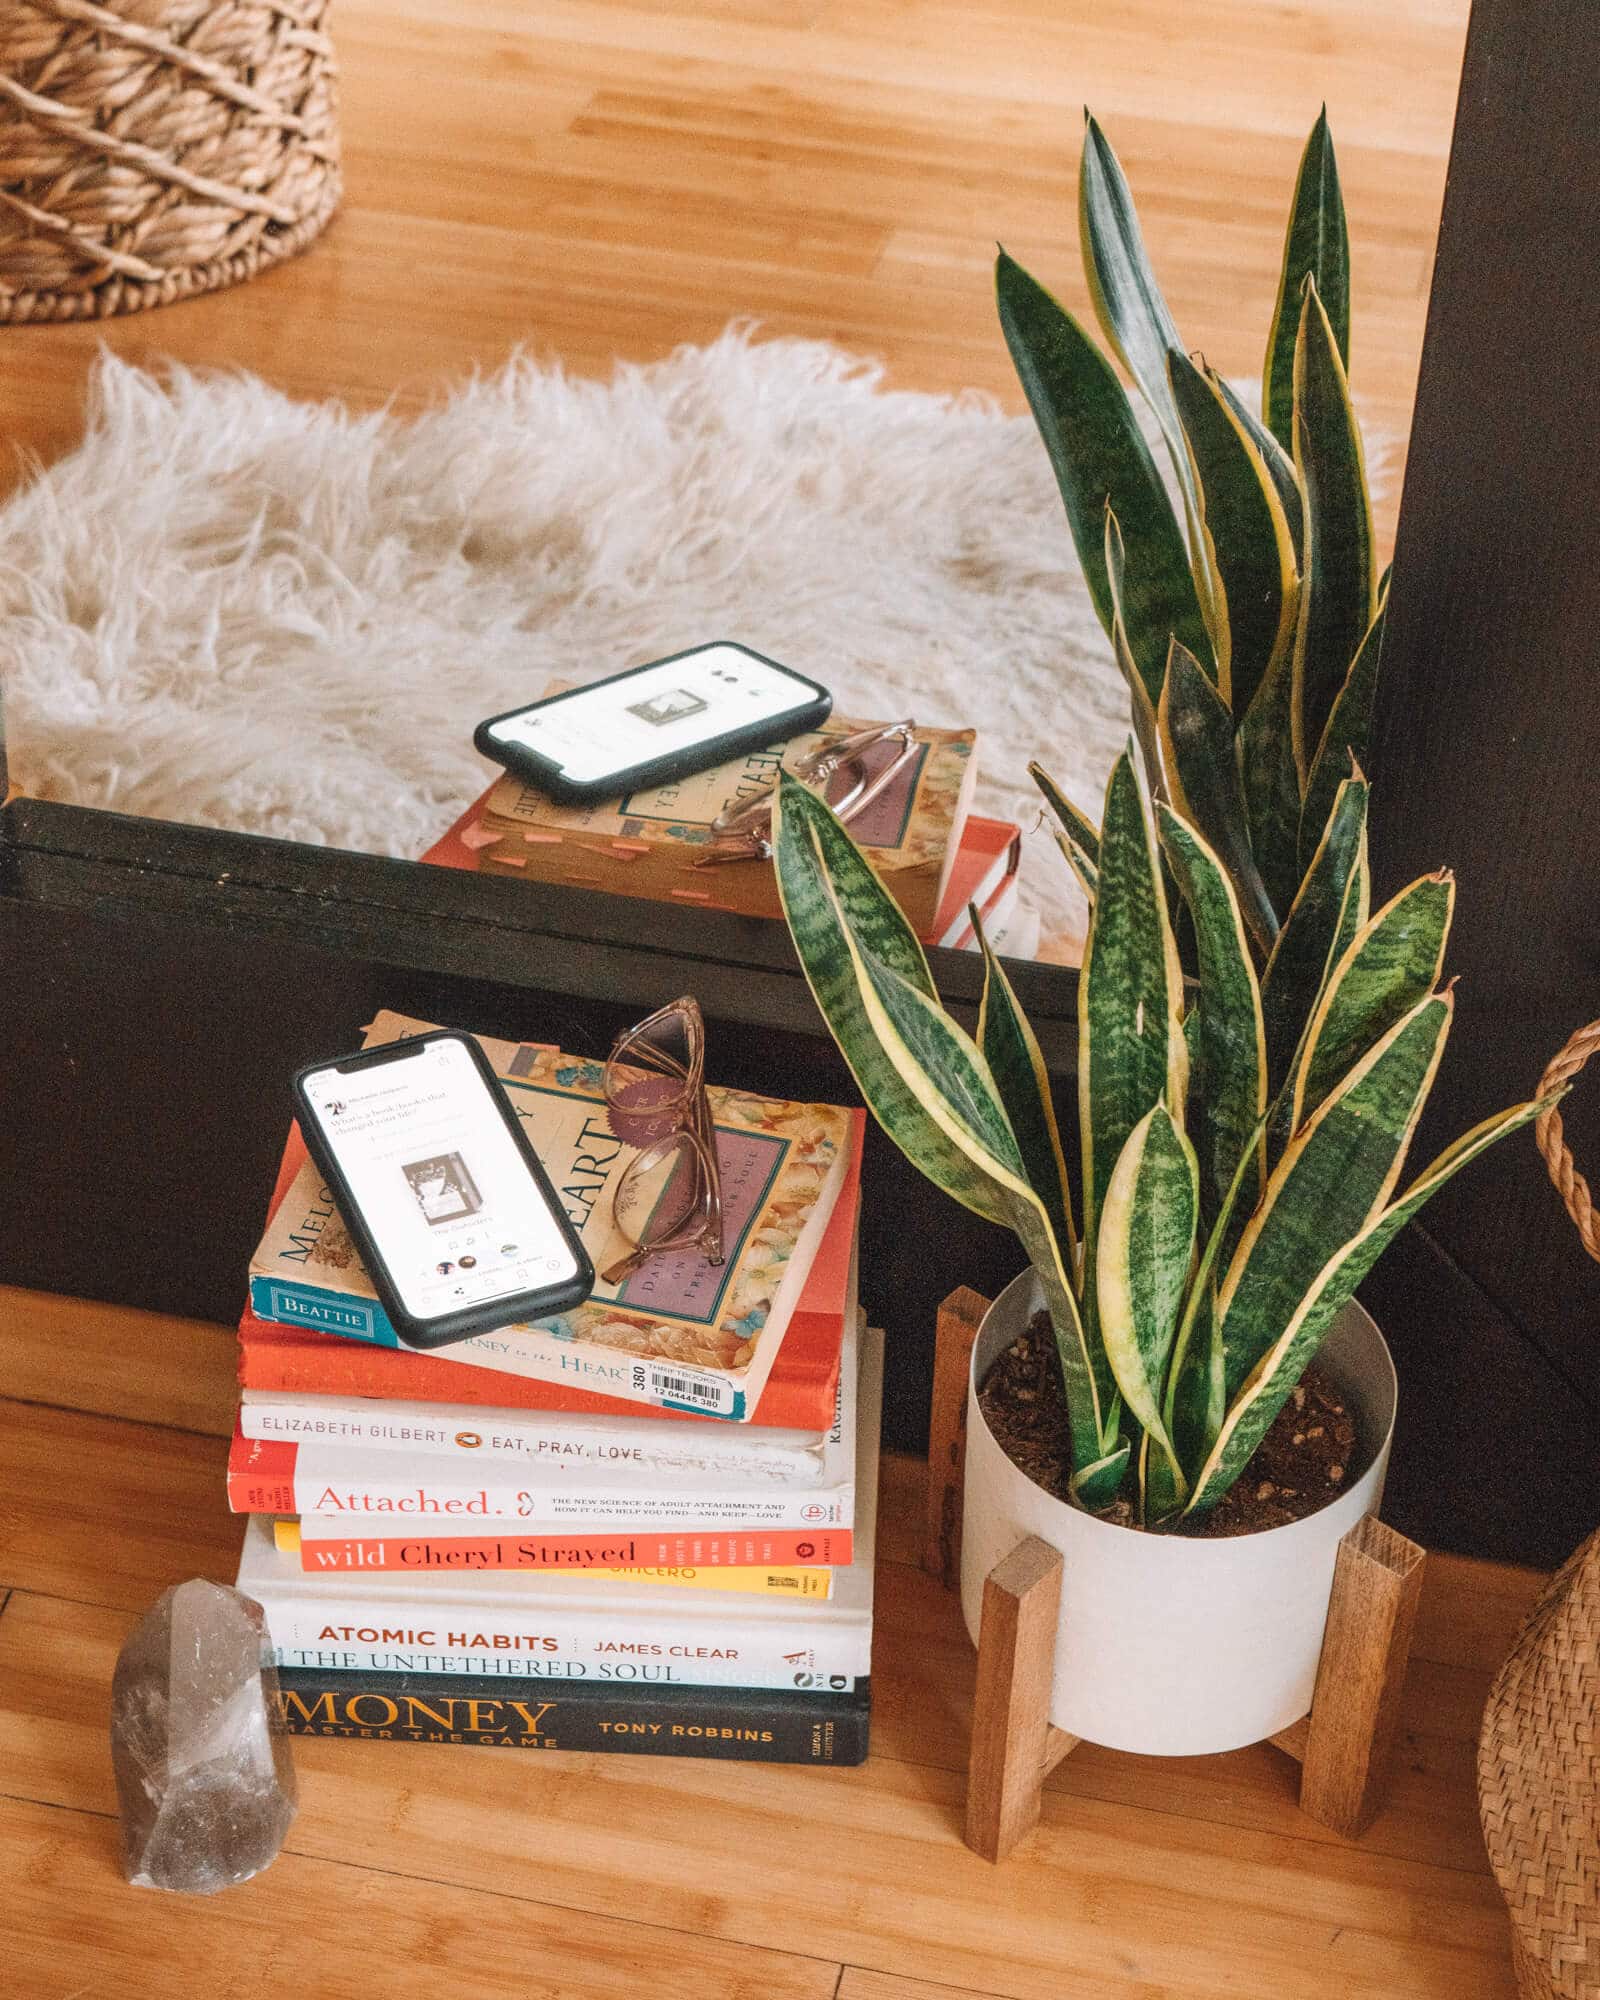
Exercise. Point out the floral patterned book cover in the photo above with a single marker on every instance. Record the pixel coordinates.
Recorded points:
(649, 843)
(678, 1333)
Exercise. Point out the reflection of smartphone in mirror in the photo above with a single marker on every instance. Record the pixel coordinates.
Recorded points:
(455, 1219)
(665, 720)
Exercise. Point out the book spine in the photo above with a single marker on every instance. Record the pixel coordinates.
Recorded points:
(560, 1549)
(519, 1351)
(741, 1724)
(514, 1437)
(271, 1478)
(283, 1360)
(324, 1643)
(812, 1583)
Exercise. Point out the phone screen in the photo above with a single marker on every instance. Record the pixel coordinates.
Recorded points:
(674, 706)
(439, 1180)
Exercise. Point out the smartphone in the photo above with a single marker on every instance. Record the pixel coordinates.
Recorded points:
(455, 1219)
(664, 720)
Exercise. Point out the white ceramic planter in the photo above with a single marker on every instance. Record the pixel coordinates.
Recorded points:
(1169, 1645)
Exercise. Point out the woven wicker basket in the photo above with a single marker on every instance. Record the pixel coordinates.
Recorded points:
(1539, 1750)
(151, 150)
(1539, 1786)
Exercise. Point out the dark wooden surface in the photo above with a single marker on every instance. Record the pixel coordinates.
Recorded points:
(1489, 747)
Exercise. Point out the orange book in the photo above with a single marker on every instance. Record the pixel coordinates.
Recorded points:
(799, 1393)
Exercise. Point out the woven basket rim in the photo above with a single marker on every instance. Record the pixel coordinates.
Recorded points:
(117, 295)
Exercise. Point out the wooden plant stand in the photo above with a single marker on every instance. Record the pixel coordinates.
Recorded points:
(1344, 1745)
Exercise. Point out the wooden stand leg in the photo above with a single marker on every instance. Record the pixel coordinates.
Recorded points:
(1347, 1742)
(1014, 1748)
(958, 1322)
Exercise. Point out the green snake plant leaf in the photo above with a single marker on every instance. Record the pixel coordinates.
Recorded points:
(925, 1082)
(1095, 1486)
(1337, 598)
(1271, 782)
(1390, 964)
(1131, 1050)
(1076, 835)
(1278, 462)
(1230, 1046)
(1143, 694)
(950, 1076)
(961, 1165)
(1339, 1170)
(1196, 1398)
(1128, 301)
(1272, 1379)
(1320, 924)
(875, 919)
(1100, 458)
(1347, 733)
(1203, 782)
(1017, 1065)
(1244, 535)
(1316, 245)
(1145, 1250)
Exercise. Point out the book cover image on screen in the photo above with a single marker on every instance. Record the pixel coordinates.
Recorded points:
(678, 1331)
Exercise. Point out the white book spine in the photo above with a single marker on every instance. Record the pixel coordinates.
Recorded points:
(570, 1449)
(610, 1646)
(335, 1503)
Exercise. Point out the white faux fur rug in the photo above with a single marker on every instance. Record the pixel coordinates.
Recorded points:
(230, 608)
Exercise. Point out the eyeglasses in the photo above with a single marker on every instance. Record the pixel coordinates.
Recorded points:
(838, 768)
(670, 1194)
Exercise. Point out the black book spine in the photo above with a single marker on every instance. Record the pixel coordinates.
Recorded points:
(759, 1725)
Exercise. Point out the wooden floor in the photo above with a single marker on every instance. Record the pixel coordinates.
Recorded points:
(604, 178)
(450, 1874)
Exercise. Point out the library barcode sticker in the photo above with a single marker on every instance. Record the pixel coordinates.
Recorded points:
(703, 1392)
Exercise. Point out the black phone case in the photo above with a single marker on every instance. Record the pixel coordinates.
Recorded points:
(491, 1313)
(548, 778)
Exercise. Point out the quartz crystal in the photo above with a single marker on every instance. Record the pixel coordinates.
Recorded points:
(204, 1778)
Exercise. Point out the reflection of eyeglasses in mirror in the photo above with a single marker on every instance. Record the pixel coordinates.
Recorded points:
(836, 768)
(670, 1193)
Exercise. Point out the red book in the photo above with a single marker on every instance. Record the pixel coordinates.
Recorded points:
(988, 857)
(799, 1394)
(557, 1549)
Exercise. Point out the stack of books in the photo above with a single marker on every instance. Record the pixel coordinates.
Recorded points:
(645, 1525)
(931, 851)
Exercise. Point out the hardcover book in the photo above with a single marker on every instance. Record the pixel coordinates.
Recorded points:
(678, 1333)
(759, 1726)
(800, 1395)
(584, 1471)
(548, 1625)
(650, 843)
(986, 863)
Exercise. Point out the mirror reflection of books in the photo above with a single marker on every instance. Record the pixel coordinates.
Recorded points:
(444, 1188)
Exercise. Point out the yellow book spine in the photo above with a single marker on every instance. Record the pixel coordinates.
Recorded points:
(800, 1582)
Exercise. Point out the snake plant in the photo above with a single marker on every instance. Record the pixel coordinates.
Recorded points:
(1241, 1154)
(1247, 619)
